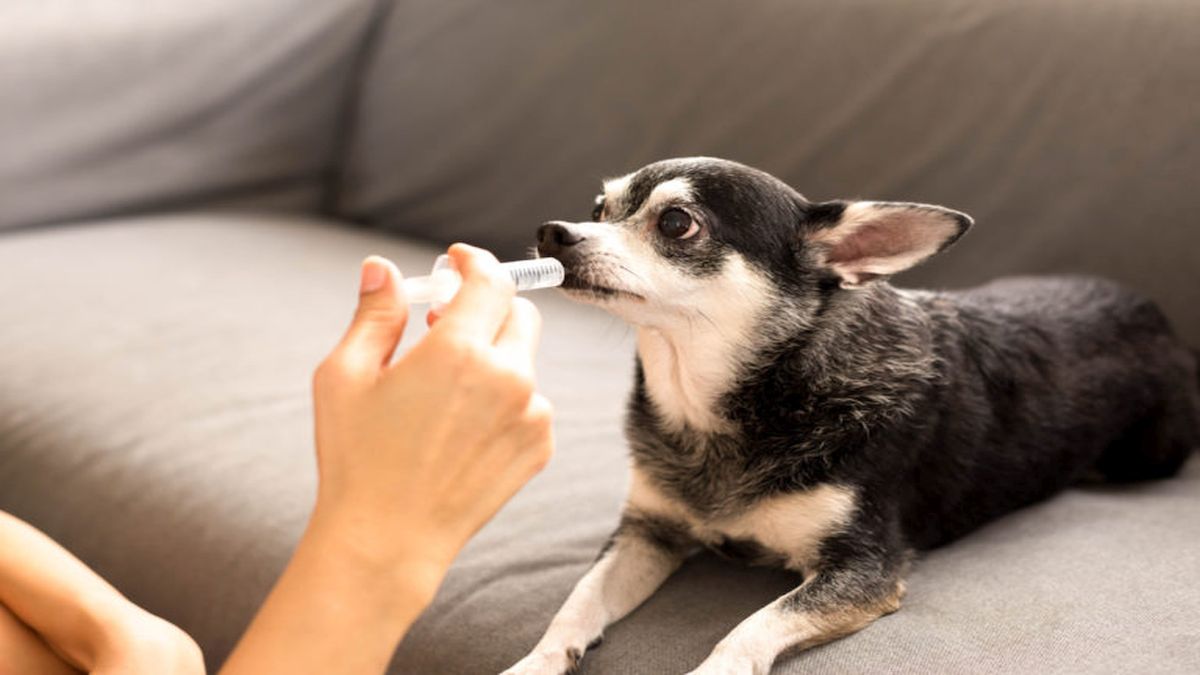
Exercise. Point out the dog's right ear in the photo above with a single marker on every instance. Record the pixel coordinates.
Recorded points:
(863, 241)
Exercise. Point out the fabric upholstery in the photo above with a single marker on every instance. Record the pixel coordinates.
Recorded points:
(1068, 129)
(155, 418)
(120, 107)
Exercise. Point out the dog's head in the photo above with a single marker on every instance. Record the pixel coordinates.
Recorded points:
(687, 235)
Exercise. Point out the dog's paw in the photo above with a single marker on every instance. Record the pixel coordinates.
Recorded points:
(547, 663)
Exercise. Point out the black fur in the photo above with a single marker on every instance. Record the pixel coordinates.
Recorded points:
(950, 410)
(941, 410)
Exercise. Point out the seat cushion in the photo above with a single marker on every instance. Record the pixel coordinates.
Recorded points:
(155, 418)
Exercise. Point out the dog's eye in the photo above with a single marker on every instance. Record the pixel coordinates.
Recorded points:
(677, 224)
(598, 209)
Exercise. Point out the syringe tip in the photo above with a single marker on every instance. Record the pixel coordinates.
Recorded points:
(529, 275)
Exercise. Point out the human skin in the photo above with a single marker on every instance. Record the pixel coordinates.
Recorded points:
(58, 616)
(414, 455)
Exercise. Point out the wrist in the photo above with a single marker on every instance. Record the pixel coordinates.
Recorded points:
(400, 567)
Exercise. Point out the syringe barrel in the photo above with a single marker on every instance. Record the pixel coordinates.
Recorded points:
(529, 275)
(443, 281)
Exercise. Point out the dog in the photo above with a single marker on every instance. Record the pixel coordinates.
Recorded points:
(792, 408)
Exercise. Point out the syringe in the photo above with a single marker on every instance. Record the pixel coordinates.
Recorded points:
(443, 280)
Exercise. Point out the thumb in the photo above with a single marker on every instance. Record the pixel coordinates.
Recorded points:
(380, 318)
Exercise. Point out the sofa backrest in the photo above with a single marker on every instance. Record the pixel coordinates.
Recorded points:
(116, 107)
(1069, 129)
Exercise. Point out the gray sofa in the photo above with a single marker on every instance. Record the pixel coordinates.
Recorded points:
(186, 190)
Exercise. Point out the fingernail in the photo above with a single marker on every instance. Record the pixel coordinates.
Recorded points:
(374, 275)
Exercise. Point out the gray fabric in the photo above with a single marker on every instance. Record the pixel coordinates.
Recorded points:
(114, 107)
(1068, 128)
(154, 417)
(154, 399)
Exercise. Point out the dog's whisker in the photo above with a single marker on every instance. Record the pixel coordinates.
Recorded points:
(635, 274)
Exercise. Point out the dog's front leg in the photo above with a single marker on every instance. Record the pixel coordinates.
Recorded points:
(642, 553)
(828, 605)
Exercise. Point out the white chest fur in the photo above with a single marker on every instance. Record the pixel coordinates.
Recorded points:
(692, 357)
(791, 525)
(684, 387)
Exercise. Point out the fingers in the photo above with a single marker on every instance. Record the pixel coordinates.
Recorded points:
(518, 337)
(379, 320)
(482, 304)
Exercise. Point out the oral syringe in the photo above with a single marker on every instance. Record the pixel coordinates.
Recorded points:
(443, 280)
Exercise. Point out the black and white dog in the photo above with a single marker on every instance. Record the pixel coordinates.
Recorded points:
(792, 408)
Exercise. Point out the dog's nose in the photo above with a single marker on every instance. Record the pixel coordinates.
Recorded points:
(554, 236)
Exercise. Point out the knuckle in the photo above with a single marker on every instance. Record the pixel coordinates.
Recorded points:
(525, 306)
(474, 253)
(472, 356)
(524, 309)
(453, 347)
(517, 387)
(337, 371)
(379, 314)
(541, 415)
(327, 373)
(464, 359)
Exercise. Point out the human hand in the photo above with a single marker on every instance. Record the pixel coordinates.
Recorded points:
(415, 456)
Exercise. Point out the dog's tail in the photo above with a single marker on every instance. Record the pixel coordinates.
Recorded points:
(1196, 361)
(1196, 392)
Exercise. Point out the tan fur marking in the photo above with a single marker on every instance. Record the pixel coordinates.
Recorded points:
(758, 640)
(843, 621)
(614, 192)
(792, 525)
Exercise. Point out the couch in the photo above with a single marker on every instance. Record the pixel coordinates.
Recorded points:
(186, 190)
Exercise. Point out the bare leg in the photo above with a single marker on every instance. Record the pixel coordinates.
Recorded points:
(642, 554)
(831, 604)
(22, 650)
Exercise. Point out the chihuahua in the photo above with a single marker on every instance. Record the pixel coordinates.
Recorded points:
(792, 408)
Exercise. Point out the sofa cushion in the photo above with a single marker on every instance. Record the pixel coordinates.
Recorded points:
(1068, 129)
(119, 107)
(155, 406)
(154, 417)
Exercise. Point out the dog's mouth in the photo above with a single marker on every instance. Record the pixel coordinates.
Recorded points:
(577, 285)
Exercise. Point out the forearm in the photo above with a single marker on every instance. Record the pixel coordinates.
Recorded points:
(340, 607)
(56, 595)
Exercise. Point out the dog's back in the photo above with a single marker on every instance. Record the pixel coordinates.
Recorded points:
(791, 405)
(1045, 379)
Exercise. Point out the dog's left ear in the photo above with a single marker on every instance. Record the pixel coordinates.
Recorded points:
(862, 241)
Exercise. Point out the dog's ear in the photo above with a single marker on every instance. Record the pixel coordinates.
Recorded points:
(862, 241)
